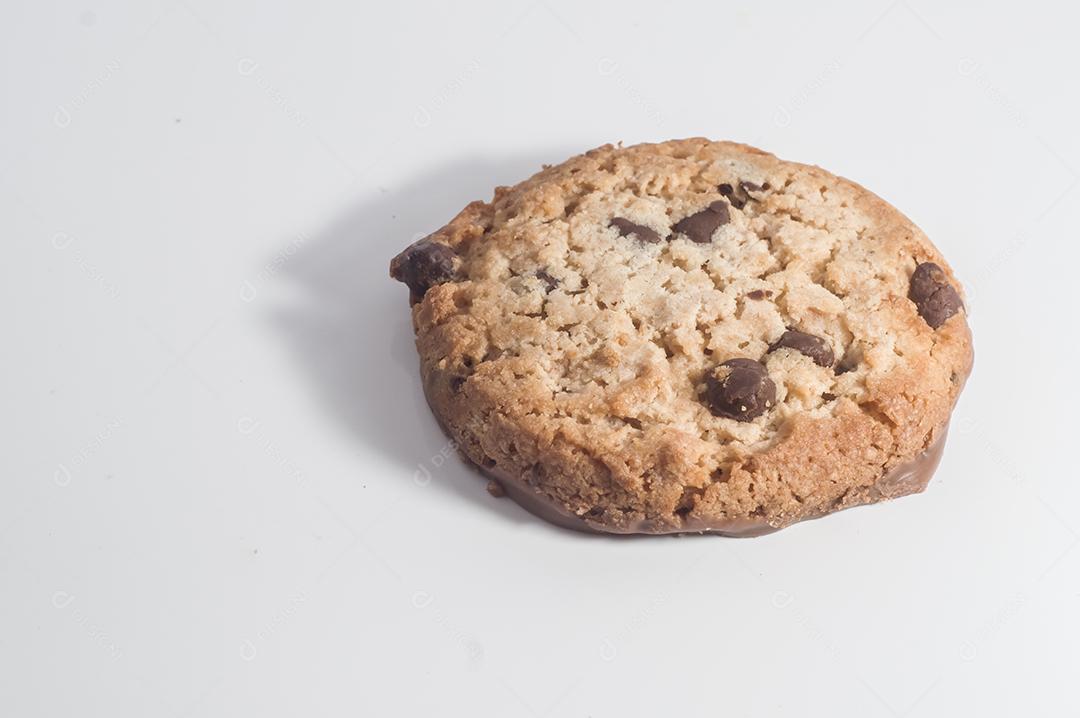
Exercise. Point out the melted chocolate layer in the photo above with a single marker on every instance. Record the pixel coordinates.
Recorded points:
(911, 477)
(907, 478)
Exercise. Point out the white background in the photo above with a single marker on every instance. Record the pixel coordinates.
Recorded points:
(223, 495)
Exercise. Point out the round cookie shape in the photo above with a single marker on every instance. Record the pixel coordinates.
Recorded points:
(690, 336)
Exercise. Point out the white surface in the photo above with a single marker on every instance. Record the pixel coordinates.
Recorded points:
(215, 496)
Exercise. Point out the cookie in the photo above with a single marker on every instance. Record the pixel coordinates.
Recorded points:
(690, 336)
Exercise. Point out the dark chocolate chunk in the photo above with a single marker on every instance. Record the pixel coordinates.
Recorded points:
(759, 294)
(700, 227)
(739, 389)
(814, 347)
(737, 198)
(549, 281)
(626, 228)
(740, 195)
(934, 297)
(424, 264)
(847, 364)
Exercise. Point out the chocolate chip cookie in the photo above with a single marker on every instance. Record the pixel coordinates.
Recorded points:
(690, 336)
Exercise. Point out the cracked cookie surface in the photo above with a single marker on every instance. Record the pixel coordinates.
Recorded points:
(688, 336)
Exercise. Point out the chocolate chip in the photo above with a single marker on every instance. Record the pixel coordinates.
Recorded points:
(549, 281)
(739, 389)
(700, 227)
(934, 297)
(737, 198)
(740, 195)
(814, 347)
(847, 364)
(626, 228)
(424, 264)
(759, 294)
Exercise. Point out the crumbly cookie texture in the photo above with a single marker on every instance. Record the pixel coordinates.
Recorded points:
(688, 336)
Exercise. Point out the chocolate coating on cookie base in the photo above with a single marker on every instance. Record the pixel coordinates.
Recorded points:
(910, 477)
